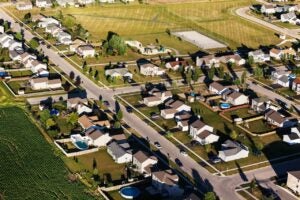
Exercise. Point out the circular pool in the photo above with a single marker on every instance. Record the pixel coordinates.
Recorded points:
(130, 192)
(224, 105)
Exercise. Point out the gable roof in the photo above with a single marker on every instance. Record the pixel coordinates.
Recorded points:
(116, 149)
(142, 156)
(94, 133)
(275, 116)
(230, 148)
(167, 176)
(284, 79)
(198, 124)
(295, 174)
(217, 86)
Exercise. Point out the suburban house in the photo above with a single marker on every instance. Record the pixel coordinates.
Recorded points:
(275, 118)
(53, 29)
(268, 9)
(64, 38)
(234, 59)
(85, 51)
(232, 150)
(289, 18)
(174, 65)
(1, 29)
(279, 73)
(26, 56)
(259, 56)
(293, 137)
(149, 69)
(65, 3)
(260, 104)
(97, 137)
(14, 55)
(83, 108)
(235, 98)
(143, 162)
(166, 182)
(86, 122)
(296, 85)
(43, 3)
(24, 5)
(157, 98)
(118, 73)
(119, 153)
(293, 181)
(277, 54)
(73, 102)
(202, 133)
(183, 125)
(85, 2)
(44, 83)
(283, 81)
(45, 21)
(75, 44)
(172, 107)
(4, 39)
(208, 61)
(217, 88)
(35, 65)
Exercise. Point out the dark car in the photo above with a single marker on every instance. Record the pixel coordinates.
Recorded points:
(129, 109)
(157, 145)
(106, 103)
(48, 46)
(215, 159)
(178, 162)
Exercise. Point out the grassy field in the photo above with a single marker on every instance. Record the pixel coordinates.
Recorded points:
(147, 23)
(29, 167)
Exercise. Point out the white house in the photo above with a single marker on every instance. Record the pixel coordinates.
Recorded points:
(74, 102)
(150, 69)
(174, 65)
(13, 45)
(235, 98)
(85, 2)
(296, 85)
(208, 61)
(97, 137)
(83, 108)
(15, 56)
(259, 56)
(289, 18)
(44, 83)
(64, 38)
(268, 9)
(166, 182)
(173, 107)
(85, 51)
(293, 181)
(217, 88)
(157, 98)
(45, 21)
(4, 37)
(118, 153)
(293, 137)
(53, 29)
(234, 59)
(275, 118)
(118, 73)
(2, 29)
(275, 53)
(202, 133)
(260, 104)
(35, 65)
(143, 162)
(232, 150)
(26, 56)
(284, 81)
(24, 5)
(65, 3)
(183, 125)
(43, 3)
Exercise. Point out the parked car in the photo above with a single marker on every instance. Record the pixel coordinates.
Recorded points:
(183, 152)
(178, 162)
(157, 145)
(129, 109)
(215, 159)
(106, 103)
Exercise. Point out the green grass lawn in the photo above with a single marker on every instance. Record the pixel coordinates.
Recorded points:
(259, 126)
(147, 23)
(29, 168)
(20, 73)
(241, 113)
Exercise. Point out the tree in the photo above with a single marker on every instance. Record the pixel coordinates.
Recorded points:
(243, 77)
(259, 146)
(211, 73)
(188, 76)
(233, 134)
(210, 196)
(115, 44)
(258, 72)
(221, 72)
(27, 18)
(119, 115)
(97, 75)
(94, 163)
(252, 185)
(60, 15)
(34, 43)
(73, 118)
(117, 125)
(45, 115)
(50, 123)
(207, 148)
(250, 60)
(6, 26)
(196, 74)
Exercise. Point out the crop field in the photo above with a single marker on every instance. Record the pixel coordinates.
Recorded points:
(29, 168)
(147, 23)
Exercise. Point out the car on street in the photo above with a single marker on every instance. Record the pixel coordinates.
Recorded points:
(106, 103)
(157, 145)
(183, 152)
(178, 162)
(129, 109)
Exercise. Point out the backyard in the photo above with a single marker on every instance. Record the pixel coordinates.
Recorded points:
(37, 173)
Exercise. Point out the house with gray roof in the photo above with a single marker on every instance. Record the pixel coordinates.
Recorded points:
(232, 150)
(97, 137)
(260, 104)
(283, 81)
(259, 56)
(119, 152)
(119, 73)
(293, 137)
(202, 133)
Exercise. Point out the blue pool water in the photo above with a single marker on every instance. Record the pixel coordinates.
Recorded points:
(224, 105)
(130, 192)
(81, 145)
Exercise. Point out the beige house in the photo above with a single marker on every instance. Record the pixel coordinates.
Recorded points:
(293, 181)
(44, 83)
(143, 162)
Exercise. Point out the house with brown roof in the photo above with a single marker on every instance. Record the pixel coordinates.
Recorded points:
(293, 181)
(144, 162)
(217, 88)
(166, 182)
(202, 133)
(73, 102)
(97, 137)
(275, 118)
(172, 107)
(296, 85)
(174, 65)
(86, 122)
(260, 104)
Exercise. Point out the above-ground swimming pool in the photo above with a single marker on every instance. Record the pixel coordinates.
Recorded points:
(129, 192)
(225, 105)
